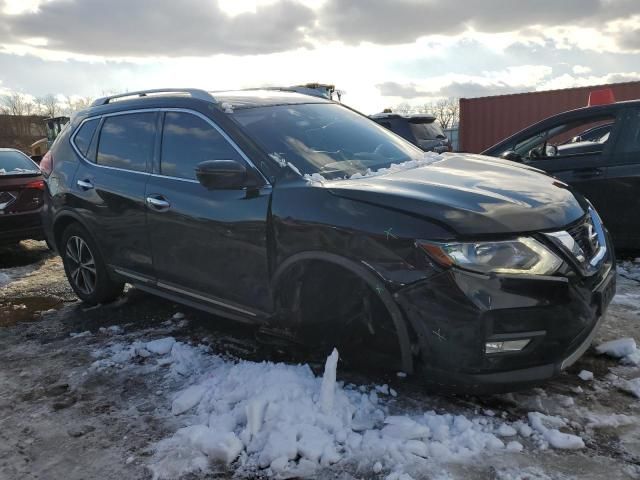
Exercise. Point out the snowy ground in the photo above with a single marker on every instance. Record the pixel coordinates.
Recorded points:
(143, 388)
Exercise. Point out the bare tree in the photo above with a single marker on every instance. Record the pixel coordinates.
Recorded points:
(79, 103)
(447, 112)
(14, 103)
(49, 105)
(404, 108)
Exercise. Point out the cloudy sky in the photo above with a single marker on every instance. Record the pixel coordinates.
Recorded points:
(380, 52)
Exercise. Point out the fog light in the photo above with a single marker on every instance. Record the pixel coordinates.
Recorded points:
(506, 346)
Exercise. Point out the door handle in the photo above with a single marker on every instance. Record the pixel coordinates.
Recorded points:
(85, 184)
(158, 203)
(590, 173)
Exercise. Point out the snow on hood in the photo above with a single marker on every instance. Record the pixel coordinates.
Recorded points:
(278, 420)
(427, 159)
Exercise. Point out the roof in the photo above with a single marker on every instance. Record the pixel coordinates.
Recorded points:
(235, 99)
(263, 97)
(415, 117)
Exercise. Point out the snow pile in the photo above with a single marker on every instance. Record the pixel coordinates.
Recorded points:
(544, 425)
(427, 159)
(8, 275)
(586, 375)
(611, 420)
(624, 349)
(630, 270)
(111, 330)
(86, 333)
(633, 386)
(279, 420)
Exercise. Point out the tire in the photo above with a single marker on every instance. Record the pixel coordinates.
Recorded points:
(85, 268)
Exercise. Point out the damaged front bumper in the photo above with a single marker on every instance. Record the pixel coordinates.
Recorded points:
(482, 334)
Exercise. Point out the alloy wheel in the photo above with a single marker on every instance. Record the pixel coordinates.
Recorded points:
(82, 265)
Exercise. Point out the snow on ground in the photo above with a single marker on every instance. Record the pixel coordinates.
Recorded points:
(282, 421)
(624, 349)
(8, 275)
(160, 400)
(630, 269)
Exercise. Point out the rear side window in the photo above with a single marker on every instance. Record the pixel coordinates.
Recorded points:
(126, 141)
(188, 140)
(83, 138)
(630, 137)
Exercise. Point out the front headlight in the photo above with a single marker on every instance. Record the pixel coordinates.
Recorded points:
(521, 256)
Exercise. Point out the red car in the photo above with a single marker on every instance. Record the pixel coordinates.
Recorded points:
(21, 188)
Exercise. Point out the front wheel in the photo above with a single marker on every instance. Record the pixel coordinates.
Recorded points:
(85, 268)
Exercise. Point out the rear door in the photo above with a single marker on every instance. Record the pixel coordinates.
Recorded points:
(623, 183)
(110, 185)
(207, 244)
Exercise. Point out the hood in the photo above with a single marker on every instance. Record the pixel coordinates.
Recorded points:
(471, 195)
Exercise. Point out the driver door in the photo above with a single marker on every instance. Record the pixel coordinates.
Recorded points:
(582, 165)
(207, 244)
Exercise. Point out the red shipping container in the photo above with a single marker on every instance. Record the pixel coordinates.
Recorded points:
(487, 120)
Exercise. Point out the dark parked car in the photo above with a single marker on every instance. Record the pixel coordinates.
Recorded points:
(421, 130)
(307, 219)
(21, 188)
(599, 134)
(597, 151)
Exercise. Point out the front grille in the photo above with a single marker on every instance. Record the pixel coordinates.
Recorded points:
(585, 236)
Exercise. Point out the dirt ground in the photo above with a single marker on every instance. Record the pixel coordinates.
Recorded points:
(60, 419)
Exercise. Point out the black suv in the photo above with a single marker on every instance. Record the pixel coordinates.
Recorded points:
(596, 150)
(421, 130)
(309, 220)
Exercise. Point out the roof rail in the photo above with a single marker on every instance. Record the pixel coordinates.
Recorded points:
(193, 92)
(311, 89)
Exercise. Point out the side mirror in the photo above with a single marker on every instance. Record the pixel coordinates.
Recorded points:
(550, 151)
(576, 139)
(221, 175)
(511, 155)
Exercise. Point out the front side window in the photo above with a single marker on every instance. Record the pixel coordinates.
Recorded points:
(630, 136)
(568, 139)
(126, 141)
(83, 138)
(325, 138)
(188, 140)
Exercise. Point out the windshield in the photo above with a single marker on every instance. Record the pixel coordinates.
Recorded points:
(15, 163)
(325, 138)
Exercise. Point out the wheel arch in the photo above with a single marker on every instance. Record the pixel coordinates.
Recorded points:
(62, 221)
(364, 273)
